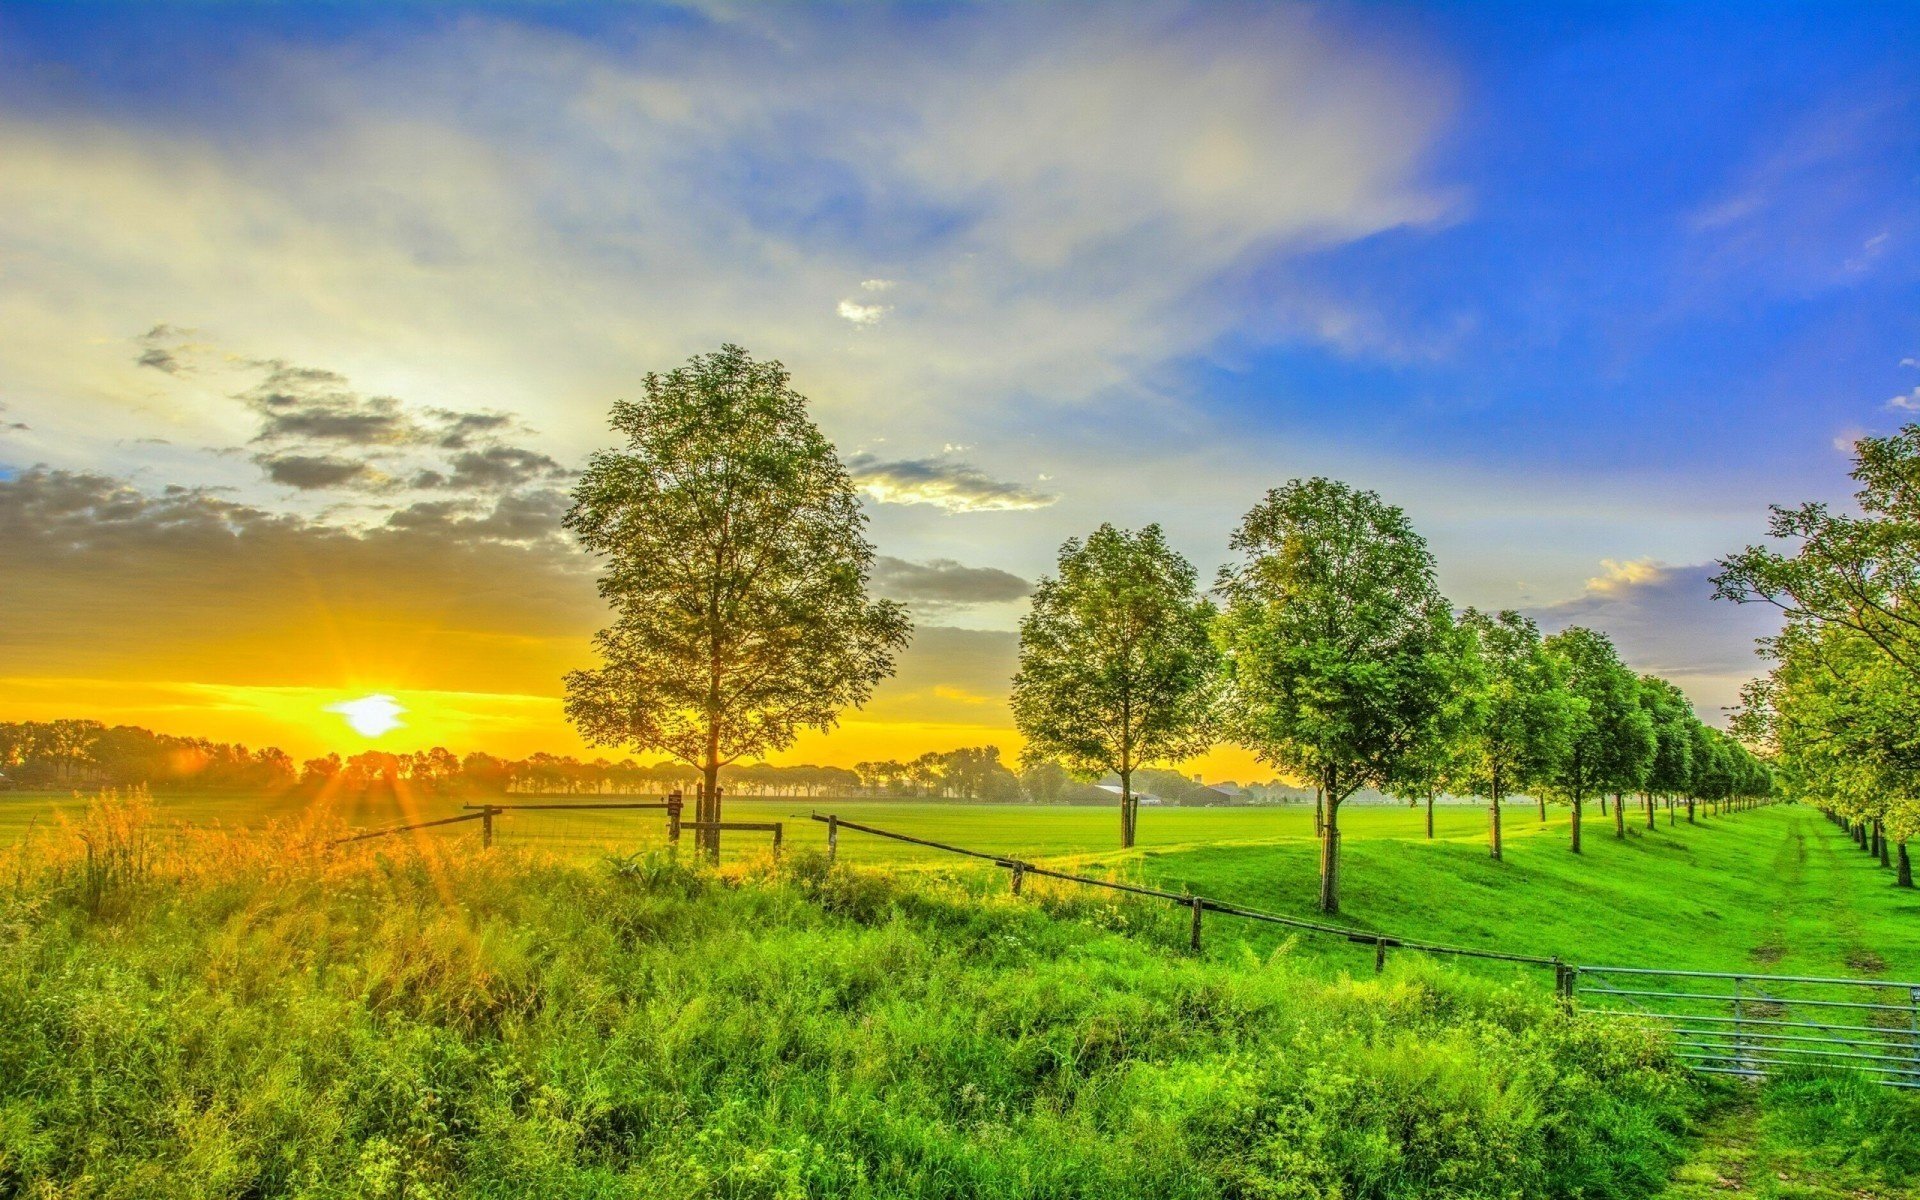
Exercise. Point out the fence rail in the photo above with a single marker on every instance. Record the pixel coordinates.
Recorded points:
(1198, 904)
(673, 805)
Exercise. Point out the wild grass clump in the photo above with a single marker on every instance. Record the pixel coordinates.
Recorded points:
(398, 1021)
(1846, 1119)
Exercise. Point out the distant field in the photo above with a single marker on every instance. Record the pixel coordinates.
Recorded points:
(1020, 829)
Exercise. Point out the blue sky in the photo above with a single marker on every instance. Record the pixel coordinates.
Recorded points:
(1584, 287)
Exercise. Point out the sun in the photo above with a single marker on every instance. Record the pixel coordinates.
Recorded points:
(370, 716)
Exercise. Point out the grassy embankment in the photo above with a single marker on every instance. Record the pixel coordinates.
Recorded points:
(425, 1021)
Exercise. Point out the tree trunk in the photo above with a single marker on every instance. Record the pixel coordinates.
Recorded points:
(1603, 804)
(1690, 810)
(1319, 812)
(1576, 824)
(1493, 824)
(1650, 810)
(1330, 860)
(1620, 816)
(1903, 869)
(1429, 816)
(709, 810)
(1543, 808)
(1126, 810)
(1880, 842)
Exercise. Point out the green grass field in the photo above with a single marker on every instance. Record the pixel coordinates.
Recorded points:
(414, 1018)
(1778, 890)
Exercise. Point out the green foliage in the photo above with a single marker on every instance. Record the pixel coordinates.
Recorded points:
(1117, 663)
(399, 1026)
(1335, 638)
(1667, 707)
(1520, 715)
(1611, 742)
(1861, 573)
(736, 563)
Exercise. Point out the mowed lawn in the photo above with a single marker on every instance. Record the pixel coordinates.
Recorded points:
(1778, 890)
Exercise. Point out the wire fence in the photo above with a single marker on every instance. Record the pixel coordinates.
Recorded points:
(1197, 905)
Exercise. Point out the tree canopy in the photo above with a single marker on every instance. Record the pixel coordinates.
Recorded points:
(736, 564)
(1117, 665)
(1521, 715)
(1333, 629)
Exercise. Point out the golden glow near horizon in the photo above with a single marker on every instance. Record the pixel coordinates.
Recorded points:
(371, 716)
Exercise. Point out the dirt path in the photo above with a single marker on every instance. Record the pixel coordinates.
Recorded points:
(1735, 1157)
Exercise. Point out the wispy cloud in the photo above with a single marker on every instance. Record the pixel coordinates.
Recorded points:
(945, 584)
(942, 483)
(507, 209)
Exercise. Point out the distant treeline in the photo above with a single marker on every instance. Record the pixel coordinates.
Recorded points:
(85, 754)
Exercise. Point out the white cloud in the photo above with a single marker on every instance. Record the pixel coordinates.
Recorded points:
(877, 285)
(1909, 402)
(863, 314)
(1618, 576)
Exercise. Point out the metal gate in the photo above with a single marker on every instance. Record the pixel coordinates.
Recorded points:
(1754, 1025)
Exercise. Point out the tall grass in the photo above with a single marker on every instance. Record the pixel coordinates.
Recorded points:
(264, 1019)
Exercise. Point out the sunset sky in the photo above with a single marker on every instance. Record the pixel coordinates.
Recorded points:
(308, 315)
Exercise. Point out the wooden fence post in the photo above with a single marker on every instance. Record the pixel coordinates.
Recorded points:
(486, 826)
(1019, 873)
(777, 827)
(1193, 935)
(1379, 955)
(713, 835)
(675, 802)
(833, 838)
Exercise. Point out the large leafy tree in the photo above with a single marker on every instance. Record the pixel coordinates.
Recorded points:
(736, 564)
(1117, 664)
(1611, 739)
(1858, 572)
(1332, 629)
(1843, 721)
(1522, 714)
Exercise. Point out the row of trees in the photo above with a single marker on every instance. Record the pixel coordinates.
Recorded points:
(80, 753)
(1840, 708)
(1333, 657)
(84, 753)
(736, 567)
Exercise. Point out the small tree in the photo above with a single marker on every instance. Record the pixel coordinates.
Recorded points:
(736, 564)
(1672, 716)
(1521, 718)
(1332, 631)
(1117, 665)
(1437, 762)
(1611, 740)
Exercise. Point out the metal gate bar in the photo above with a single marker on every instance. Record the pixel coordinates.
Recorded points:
(1736, 1023)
